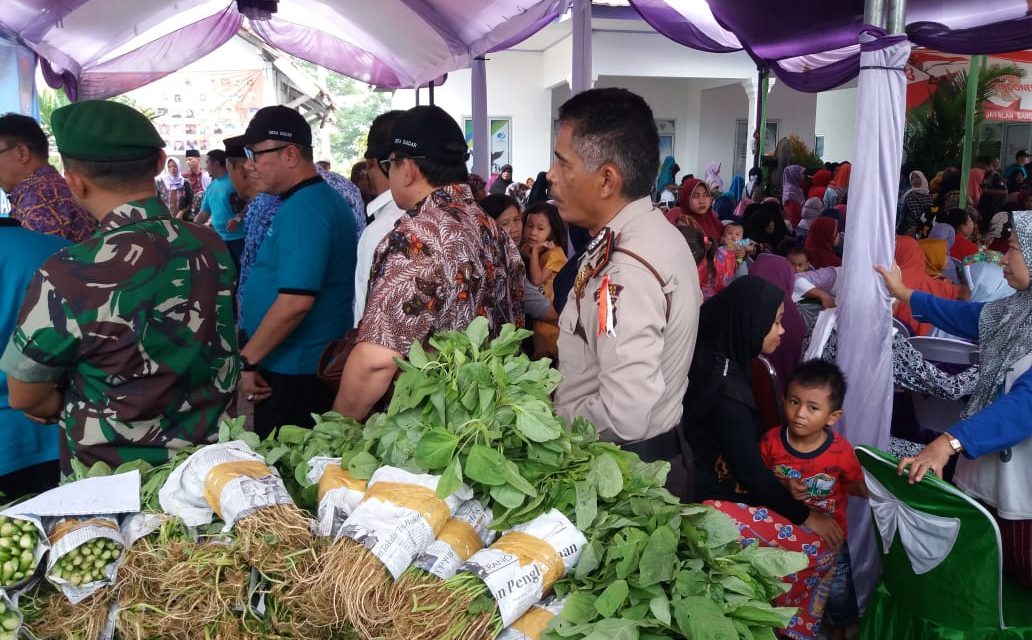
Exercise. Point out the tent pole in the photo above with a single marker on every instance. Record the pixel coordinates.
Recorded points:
(417, 96)
(430, 91)
(874, 13)
(896, 21)
(761, 115)
(974, 69)
(580, 76)
(481, 137)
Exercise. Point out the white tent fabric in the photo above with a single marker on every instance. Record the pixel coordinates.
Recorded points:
(865, 322)
(100, 48)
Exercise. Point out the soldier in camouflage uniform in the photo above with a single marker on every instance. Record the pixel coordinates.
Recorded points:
(128, 336)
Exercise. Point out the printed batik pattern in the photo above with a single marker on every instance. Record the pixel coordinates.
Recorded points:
(445, 263)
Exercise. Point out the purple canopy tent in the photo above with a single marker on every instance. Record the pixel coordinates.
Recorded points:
(100, 48)
(814, 45)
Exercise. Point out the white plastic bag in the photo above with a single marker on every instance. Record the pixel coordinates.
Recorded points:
(226, 479)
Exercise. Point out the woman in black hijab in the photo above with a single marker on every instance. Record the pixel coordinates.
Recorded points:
(503, 180)
(723, 425)
(765, 225)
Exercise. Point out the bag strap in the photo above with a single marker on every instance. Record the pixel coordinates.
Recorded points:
(652, 270)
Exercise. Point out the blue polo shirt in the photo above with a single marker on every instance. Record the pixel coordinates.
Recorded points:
(216, 200)
(309, 250)
(22, 251)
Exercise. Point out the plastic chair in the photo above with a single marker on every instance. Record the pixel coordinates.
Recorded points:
(936, 414)
(904, 329)
(942, 569)
(768, 393)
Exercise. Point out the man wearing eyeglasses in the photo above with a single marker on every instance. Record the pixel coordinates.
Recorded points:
(299, 294)
(40, 199)
(444, 263)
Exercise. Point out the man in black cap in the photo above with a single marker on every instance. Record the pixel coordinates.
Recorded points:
(299, 294)
(445, 263)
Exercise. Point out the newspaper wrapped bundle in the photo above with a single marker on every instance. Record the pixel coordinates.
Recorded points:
(533, 623)
(399, 517)
(231, 481)
(23, 543)
(512, 574)
(84, 555)
(339, 493)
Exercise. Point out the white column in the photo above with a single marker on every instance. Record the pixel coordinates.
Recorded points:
(581, 78)
(481, 131)
(752, 93)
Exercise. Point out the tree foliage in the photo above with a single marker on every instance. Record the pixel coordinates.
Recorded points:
(934, 137)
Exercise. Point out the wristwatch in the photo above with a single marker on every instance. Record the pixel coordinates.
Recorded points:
(954, 443)
(247, 365)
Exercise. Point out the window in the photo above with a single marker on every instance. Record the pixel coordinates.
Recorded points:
(744, 147)
(818, 145)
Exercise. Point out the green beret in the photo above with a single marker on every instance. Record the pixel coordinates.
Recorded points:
(101, 130)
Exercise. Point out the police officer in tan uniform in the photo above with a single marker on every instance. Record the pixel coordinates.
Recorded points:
(628, 330)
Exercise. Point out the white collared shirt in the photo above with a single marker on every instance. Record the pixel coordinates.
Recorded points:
(385, 215)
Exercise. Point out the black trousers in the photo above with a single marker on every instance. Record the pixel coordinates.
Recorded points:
(30, 480)
(674, 448)
(293, 401)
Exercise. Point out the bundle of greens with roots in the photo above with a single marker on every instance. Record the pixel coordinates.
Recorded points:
(48, 615)
(173, 586)
(229, 480)
(471, 410)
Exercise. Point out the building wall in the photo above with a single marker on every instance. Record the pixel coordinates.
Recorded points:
(514, 90)
(836, 119)
(701, 92)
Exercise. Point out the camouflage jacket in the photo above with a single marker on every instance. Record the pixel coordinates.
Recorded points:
(136, 325)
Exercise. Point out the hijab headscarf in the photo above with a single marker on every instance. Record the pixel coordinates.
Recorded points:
(1004, 329)
(500, 184)
(755, 177)
(666, 174)
(911, 261)
(792, 184)
(736, 189)
(811, 210)
(987, 282)
(935, 183)
(937, 255)
(724, 207)
(172, 183)
(950, 183)
(712, 177)
(707, 221)
(779, 272)
(820, 243)
(841, 180)
(819, 184)
(758, 217)
(830, 198)
(942, 231)
(734, 322)
(539, 192)
(923, 182)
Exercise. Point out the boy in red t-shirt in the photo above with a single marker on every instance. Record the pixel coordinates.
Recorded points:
(819, 466)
